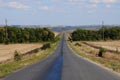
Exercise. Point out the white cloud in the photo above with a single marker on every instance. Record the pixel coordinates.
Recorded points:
(17, 5)
(109, 1)
(92, 6)
(95, 1)
(14, 5)
(76, 1)
(103, 1)
(108, 6)
(45, 8)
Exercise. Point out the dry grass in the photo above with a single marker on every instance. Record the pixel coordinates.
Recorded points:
(9, 67)
(56, 33)
(111, 45)
(7, 51)
(109, 60)
(87, 50)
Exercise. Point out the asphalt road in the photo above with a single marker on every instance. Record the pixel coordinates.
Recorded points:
(63, 64)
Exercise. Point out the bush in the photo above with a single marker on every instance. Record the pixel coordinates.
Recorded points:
(36, 50)
(6, 42)
(17, 56)
(101, 52)
(45, 46)
(78, 44)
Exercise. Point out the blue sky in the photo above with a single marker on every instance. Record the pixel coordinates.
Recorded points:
(59, 12)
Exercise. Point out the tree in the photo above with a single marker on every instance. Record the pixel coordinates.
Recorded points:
(112, 33)
(22, 35)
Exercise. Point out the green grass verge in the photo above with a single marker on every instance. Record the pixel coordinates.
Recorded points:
(9, 67)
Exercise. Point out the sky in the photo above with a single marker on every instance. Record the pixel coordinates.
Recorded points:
(60, 12)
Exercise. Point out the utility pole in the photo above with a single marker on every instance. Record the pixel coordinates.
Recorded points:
(103, 30)
(6, 33)
(6, 22)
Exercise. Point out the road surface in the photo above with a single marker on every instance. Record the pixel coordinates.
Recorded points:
(63, 64)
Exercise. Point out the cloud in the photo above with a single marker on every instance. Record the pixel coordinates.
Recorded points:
(76, 1)
(103, 1)
(108, 6)
(14, 5)
(109, 1)
(45, 8)
(17, 5)
(92, 6)
(95, 1)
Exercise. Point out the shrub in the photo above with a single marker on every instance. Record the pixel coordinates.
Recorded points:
(101, 52)
(45, 46)
(36, 50)
(6, 41)
(17, 56)
(78, 44)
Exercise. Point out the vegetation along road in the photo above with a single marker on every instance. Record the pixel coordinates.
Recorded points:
(63, 64)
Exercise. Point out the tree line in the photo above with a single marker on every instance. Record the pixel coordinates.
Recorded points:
(25, 35)
(105, 33)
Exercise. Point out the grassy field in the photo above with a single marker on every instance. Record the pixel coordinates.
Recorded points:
(7, 51)
(111, 45)
(56, 33)
(109, 60)
(9, 67)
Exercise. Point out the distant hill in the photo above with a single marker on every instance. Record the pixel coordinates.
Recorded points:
(65, 28)
(71, 28)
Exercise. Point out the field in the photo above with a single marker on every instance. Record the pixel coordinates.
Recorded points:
(110, 60)
(7, 51)
(111, 45)
(56, 33)
(9, 67)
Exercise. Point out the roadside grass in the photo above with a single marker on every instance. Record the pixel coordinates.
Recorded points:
(11, 66)
(109, 60)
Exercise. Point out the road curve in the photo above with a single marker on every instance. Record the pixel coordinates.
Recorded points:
(63, 64)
